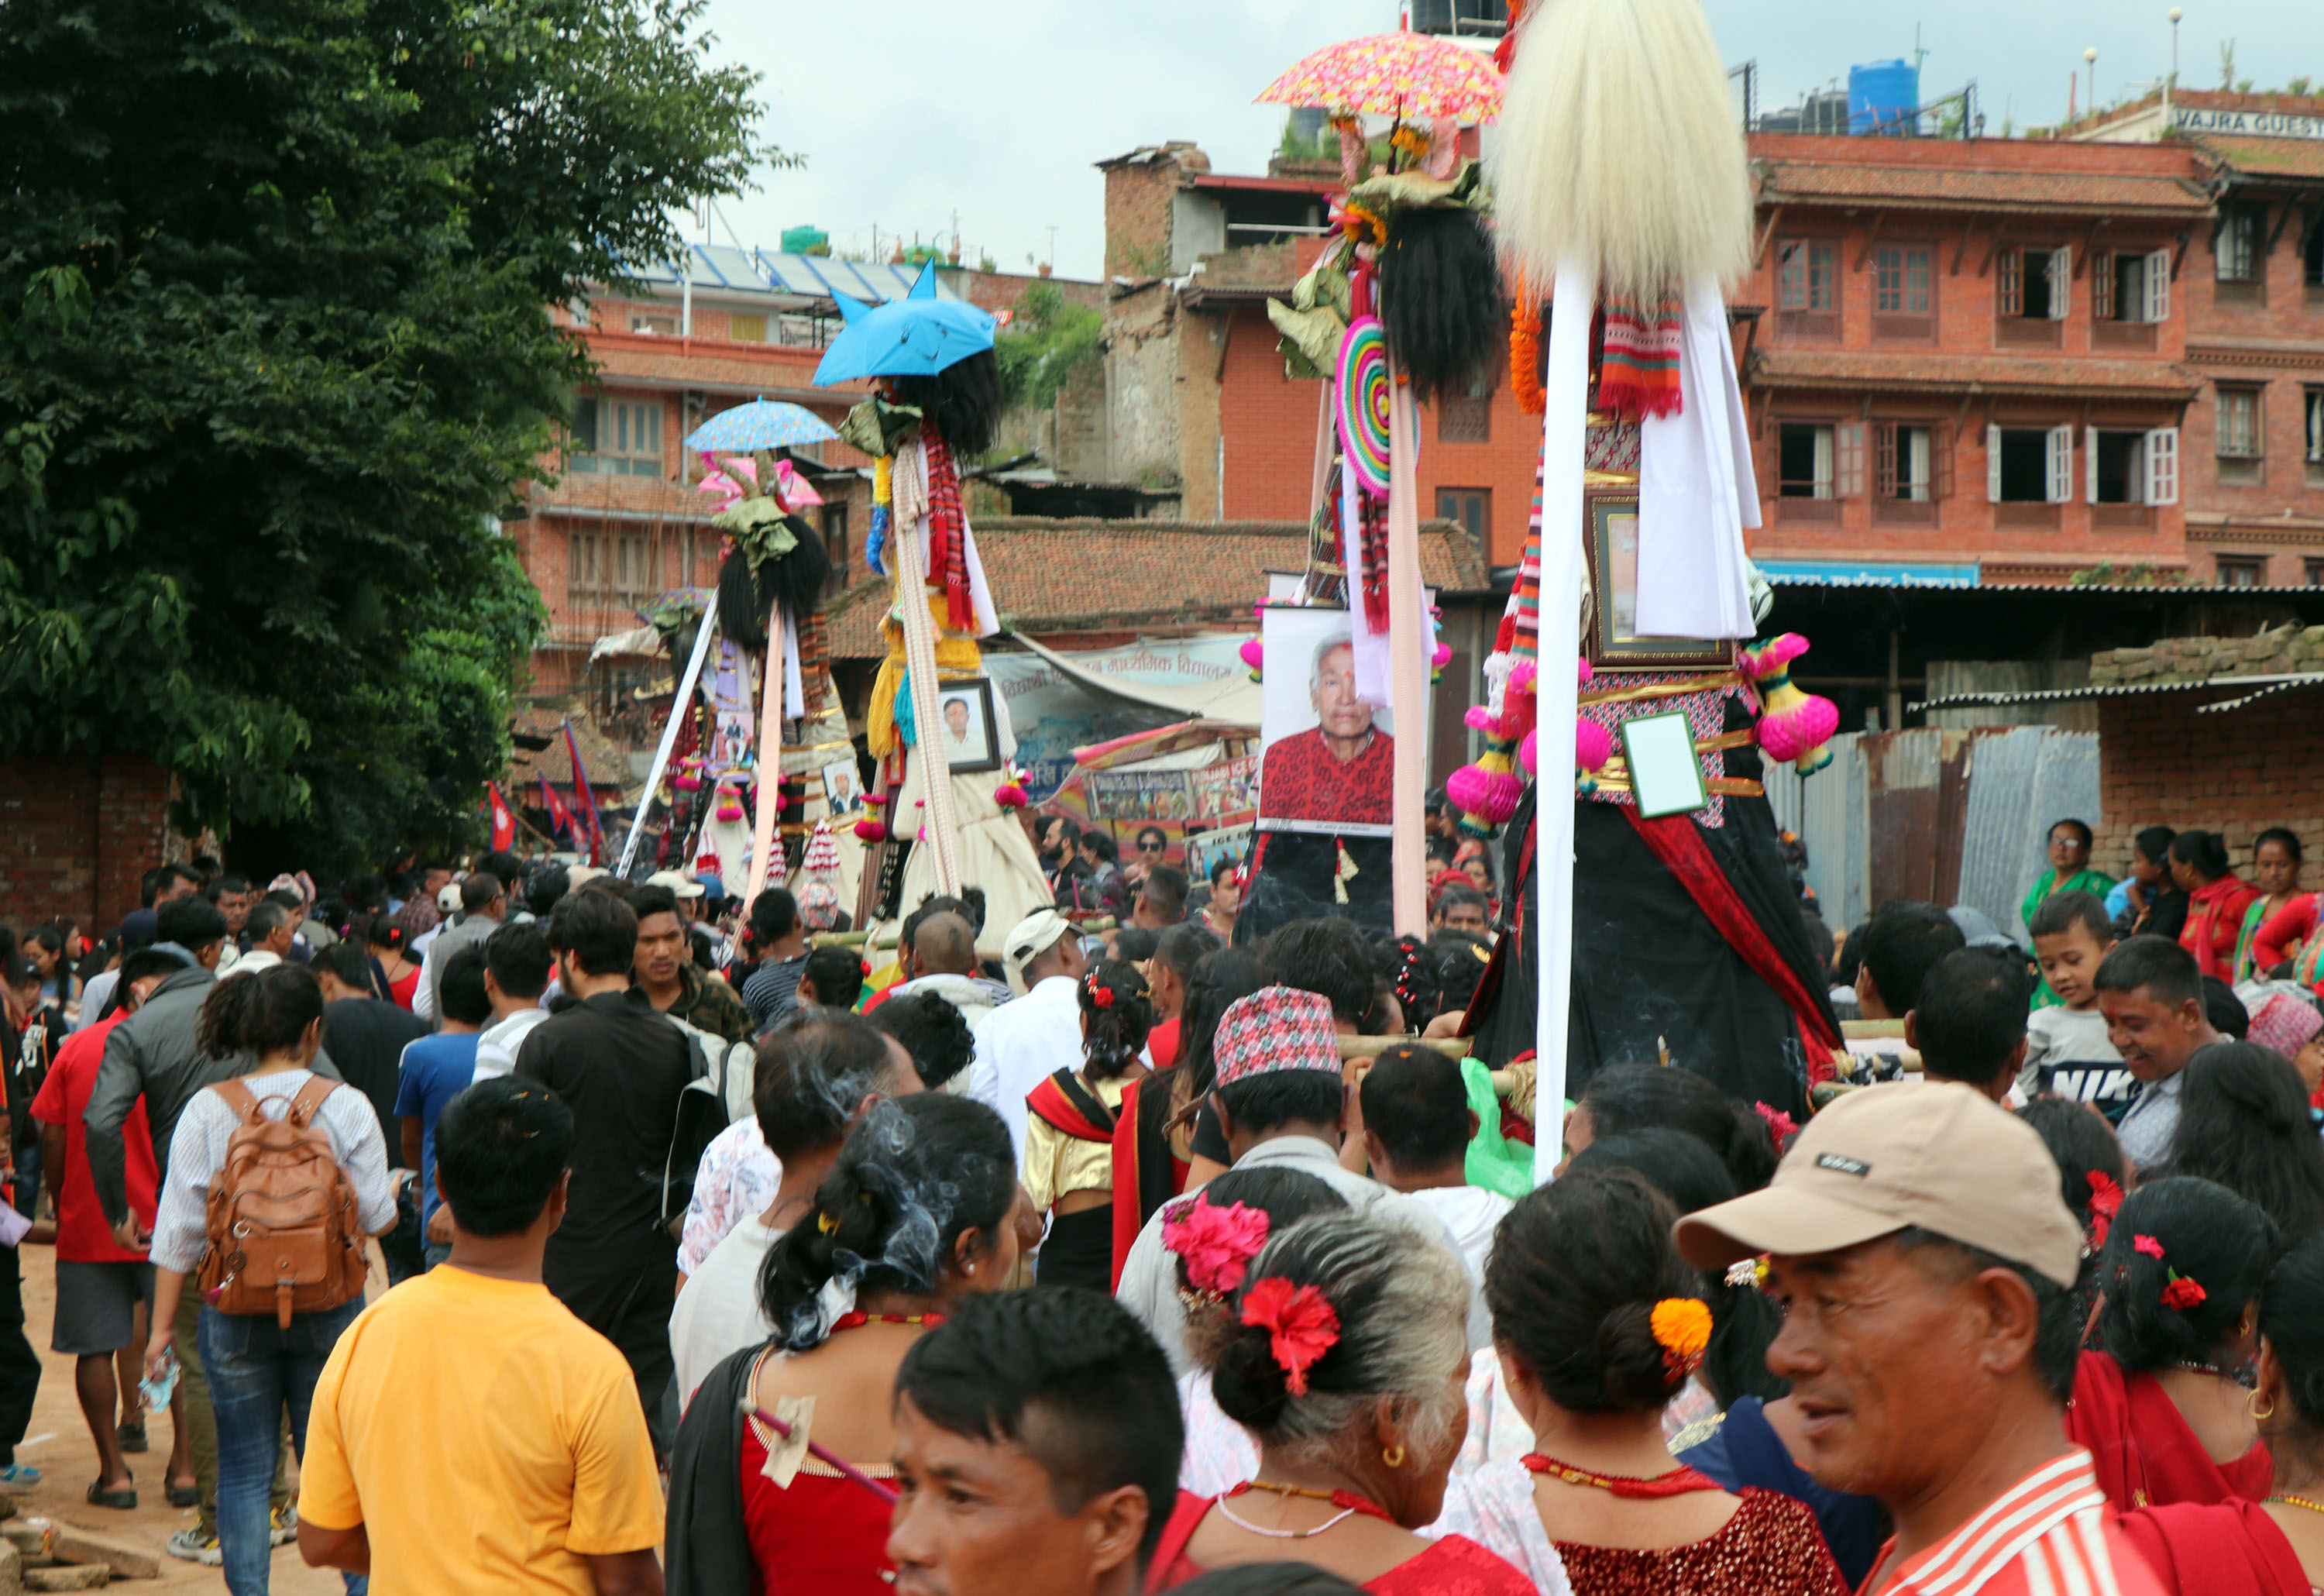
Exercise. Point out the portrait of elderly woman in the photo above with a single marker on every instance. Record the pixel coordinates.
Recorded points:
(1328, 760)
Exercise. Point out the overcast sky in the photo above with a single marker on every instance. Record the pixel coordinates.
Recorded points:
(921, 108)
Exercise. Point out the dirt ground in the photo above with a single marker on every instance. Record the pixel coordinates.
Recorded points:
(59, 1445)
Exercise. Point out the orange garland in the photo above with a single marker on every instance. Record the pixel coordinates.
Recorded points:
(1525, 350)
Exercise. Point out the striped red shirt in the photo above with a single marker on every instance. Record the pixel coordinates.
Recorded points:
(2052, 1534)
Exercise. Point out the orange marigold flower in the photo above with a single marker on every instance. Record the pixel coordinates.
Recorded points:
(1682, 1326)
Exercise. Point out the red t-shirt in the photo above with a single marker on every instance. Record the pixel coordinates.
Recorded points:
(82, 1234)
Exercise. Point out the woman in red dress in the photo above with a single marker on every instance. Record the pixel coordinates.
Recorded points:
(917, 1212)
(2216, 900)
(2273, 1547)
(1344, 1353)
(1599, 1323)
(398, 974)
(2160, 1408)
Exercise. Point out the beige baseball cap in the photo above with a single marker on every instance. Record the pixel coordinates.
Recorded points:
(1034, 935)
(1936, 1155)
(679, 883)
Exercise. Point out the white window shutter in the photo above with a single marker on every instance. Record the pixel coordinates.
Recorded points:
(2089, 465)
(2163, 466)
(1992, 465)
(2061, 280)
(2060, 461)
(2158, 286)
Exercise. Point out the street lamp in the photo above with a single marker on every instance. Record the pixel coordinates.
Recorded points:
(2090, 58)
(2172, 82)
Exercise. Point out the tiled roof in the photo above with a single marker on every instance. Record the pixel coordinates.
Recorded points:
(608, 770)
(2297, 159)
(1076, 575)
(1928, 370)
(1836, 177)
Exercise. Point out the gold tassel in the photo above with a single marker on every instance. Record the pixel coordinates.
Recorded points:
(1345, 873)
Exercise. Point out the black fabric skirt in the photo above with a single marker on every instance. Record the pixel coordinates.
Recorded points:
(1079, 1251)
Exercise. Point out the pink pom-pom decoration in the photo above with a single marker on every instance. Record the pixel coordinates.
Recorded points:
(1586, 674)
(1253, 653)
(687, 782)
(1526, 754)
(1794, 725)
(1593, 744)
(1487, 790)
(1522, 675)
(1009, 796)
(729, 811)
(1443, 657)
(871, 831)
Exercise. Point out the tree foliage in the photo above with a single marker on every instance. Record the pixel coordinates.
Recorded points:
(275, 349)
(1048, 339)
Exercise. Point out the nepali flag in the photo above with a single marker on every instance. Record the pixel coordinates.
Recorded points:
(503, 818)
(585, 804)
(560, 819)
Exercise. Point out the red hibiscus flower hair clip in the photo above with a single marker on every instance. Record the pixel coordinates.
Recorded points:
(1300, 1322)
(1101, 995)
(2180, 1292)
(1217, 1244)
(2106, 1202)
(1781, 1126)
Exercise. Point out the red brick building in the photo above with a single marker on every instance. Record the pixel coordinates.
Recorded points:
(77, 832)
(2253, 454)
(1970, 352)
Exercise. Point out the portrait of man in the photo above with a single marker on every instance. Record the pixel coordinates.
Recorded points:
(842, 789)
(955, 719)
(1339, 770)
(965, 709)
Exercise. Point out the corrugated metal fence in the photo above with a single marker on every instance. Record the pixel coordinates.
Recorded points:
(1944, 815)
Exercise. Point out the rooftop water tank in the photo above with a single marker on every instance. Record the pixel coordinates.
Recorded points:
(1882, 96)
(805, 240)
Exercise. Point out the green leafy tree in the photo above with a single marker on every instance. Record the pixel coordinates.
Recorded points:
(275, 349)
(1048, 339)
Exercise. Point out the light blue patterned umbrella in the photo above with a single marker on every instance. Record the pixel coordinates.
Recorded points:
(762, 424)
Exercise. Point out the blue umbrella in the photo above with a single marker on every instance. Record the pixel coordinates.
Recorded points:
(918, 335)
(762, 424)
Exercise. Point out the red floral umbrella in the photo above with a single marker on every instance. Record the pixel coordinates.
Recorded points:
(1414, 77)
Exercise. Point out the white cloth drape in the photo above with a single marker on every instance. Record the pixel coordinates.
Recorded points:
(1696, 492)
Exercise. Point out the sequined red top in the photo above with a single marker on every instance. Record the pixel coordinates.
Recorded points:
(1771, 1545)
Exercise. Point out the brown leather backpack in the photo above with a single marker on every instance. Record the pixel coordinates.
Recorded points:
(284, 1233)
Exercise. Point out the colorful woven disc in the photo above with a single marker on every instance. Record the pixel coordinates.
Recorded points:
(1363, 401)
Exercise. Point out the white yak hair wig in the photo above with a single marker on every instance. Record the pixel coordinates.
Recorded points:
(1618, 146)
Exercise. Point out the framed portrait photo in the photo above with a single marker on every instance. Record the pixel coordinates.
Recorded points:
(1608, 632)
(964, 727)
(842, 789)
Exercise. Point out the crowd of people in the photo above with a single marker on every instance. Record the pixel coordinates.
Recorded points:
(726, 1251)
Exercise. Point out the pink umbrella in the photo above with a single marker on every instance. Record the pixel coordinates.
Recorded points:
(1414, 77)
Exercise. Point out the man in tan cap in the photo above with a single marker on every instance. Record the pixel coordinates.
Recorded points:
(1926, 1264)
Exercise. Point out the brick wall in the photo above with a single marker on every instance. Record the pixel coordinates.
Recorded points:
(2268, 336)
(1139, 195)
(76, 833)
(2160, 763)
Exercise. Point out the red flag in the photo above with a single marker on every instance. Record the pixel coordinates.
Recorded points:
(560, 819)
(585, 803)
(503, 820)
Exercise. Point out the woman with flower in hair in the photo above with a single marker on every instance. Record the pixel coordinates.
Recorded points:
(2238, 1547)
(1342, 1351)
(916, 1212)
(2162, 1410)
(1599, 1325)
(1214, 1236)
(1069, 1127)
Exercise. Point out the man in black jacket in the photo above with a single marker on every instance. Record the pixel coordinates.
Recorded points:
(622, 1069)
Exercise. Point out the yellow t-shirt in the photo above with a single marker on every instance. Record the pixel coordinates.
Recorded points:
(484, 1438)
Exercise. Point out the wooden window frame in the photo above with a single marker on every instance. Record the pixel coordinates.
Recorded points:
(2253, 438)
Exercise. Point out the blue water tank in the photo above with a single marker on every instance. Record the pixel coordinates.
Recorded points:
(1882, 96)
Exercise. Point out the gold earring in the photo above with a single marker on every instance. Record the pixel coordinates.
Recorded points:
(1393, 1456)
(2251, 1407)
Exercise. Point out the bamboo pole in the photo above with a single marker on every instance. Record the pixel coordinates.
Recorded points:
(770, 762)
(1408, 664)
